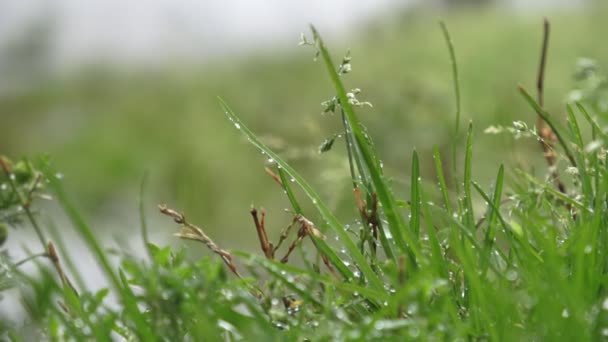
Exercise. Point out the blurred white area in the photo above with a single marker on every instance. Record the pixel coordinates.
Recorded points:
(70, 32)
(160, 30)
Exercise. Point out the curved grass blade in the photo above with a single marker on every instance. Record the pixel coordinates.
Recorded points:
(592, 122)
(324, 211)
(545, 116)
(401, 233)
(85, 231)
(374, 295)
(354, 158)
(558, 194)
(522, 240)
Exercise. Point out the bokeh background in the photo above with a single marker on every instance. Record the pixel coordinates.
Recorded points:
(112, 90)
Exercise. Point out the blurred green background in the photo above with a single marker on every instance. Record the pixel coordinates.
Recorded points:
(105, 123)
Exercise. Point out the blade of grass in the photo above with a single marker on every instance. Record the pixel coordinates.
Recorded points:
(437, 255)
(415, 196)
(349, 287)
(559, 195)
(455, 78)
(515, 239)
(592, 122)
(354, 159)
(401, 234)
(545, 116)
(496, 200)
(441, 178)
(292, 198)
(324, 211)
(127, 298)
(468, 165)
(580, 155)
(142, 213)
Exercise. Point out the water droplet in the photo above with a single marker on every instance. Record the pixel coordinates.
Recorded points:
(565, 313)
(511, 275)
(605, 304)
(588, 249)
(236, 124)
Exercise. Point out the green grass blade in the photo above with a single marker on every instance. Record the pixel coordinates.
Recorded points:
(469, 218)
(437, 254)
(324, 211)
(86, 233)
(494, 210)
(354, 159)
(400, 232)
(349, 287)
(441, 178)
(142, 212)
(415, 196)
(574, 127)
(596, 128)
(558, 194)
(455, 78)
(579, 155)
(292, 198)
(521, 240)
(545, 116)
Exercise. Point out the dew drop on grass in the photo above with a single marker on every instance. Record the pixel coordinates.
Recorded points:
(511, 275)
(236, 124)
(604, 331)
(605, 304)
(565, 313)
(588, 249)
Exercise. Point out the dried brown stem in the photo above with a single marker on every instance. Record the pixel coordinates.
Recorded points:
(189, 231)
(547, 135)
(283, 236)
(306, 228)
(52, 254)
(274, 176)
(262, 236)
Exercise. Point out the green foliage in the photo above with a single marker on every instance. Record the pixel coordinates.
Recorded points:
(520, 260)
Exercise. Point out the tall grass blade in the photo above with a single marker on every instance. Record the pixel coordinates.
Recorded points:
(403, 236)
(415, 196)
(324, 211)
(455, 78)
(468, 165)
(441, 178)
(127, 298)
(545, 116)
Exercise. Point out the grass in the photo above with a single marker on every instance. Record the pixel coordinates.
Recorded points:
(522, 259)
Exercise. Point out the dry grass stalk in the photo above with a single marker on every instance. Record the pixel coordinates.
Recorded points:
(548, 138)
(52, 254)
(189, 231)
